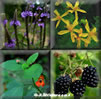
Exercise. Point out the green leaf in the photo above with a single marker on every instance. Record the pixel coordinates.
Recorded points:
(11, 65)
(16, 91)
(32, 91)
(25, 65)
(13, 84)
(33, 72)
(32, 58)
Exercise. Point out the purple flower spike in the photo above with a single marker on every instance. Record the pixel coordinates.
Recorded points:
(45, 15)
(39, 8)
(32, 6)
(17, 23)
(41, 25)
(11, 44)
(24, 14)
(5, 22)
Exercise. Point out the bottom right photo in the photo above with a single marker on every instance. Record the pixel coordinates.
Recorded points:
(76, 74)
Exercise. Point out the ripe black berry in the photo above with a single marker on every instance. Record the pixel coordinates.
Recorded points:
(90, 77)
(77, 88)
(62, 84)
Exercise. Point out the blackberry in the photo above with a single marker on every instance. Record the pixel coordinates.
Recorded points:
(62, 84)
(90, 77)
(77, 88)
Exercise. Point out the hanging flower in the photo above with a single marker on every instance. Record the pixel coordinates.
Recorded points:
(17, 23)
(70, 29)
(58, 18)
(74, 8)
(40, 81)
(24, 14)
(38, 8)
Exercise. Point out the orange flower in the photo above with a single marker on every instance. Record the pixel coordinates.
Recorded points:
(40, 81)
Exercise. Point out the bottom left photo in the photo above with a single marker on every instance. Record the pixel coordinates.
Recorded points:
(24, 73)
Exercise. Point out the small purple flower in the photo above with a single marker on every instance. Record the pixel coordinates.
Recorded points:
(45, 15)
(11, 44)
(35, 14)
(41, 25)
(24, 14)
(17, 23)
(40, 20)
(25, 34)
(39, 8)
(32, 5)
(5, 22)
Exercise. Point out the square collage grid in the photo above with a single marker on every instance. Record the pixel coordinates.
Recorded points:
(50, 49)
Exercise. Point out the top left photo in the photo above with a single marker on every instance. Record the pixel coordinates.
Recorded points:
(25, 24)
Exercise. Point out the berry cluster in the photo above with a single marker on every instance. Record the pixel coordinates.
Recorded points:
(78, 87)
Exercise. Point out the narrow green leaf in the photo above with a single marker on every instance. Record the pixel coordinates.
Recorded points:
(32, 58)
(11, 65)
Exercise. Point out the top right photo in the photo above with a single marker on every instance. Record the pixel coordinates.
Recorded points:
(76, 24)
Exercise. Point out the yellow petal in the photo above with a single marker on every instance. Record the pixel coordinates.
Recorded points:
(73, 36)
(76, 30)
(87, 26)
(57, 23)
(66, 22)
(78, 43)
(63, 32)
(94, 37)
(65, 14)
(76, 15)
(80, 10)
(54, 19)
(57, 3)
(75, 23)
(84, 34)
(71, 11)
(69, 4)
(87, 41)
(94, 30)
(56, 12)
(76, 4)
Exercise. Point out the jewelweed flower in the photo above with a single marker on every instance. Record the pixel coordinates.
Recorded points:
(58, 2)
(38, 8)
(24, 14)
(5, 22)
(74, 8)
(11, 44)
(80, 36)
(70, 29)
(92, 34)
(41, 25)
(40, 81)
(58, 18)
(17, 23)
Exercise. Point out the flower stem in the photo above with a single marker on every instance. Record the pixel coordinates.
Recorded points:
(26, 22)
(36, 86)
(40, 36)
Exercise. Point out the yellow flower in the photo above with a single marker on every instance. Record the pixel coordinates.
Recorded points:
(70, 28)
(58, 18)
(91, 33)
(75, 8)
(80, 36)
(58, 2)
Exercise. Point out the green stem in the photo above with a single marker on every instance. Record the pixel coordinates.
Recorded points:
(89, 59)
(36, 86)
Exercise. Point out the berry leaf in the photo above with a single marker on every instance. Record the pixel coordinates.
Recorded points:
(32, 58)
